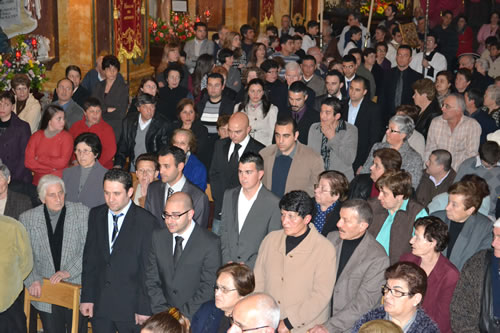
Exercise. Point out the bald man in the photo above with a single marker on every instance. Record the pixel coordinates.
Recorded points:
(223, 173)
(183, 260)
(255, 311)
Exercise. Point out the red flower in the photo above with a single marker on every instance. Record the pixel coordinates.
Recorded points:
(157, 39)
(183, 37)
(164, 27)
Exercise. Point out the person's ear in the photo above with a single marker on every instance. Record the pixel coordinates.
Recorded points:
(417, 298)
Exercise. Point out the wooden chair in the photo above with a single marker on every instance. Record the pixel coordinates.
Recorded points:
(63, 294)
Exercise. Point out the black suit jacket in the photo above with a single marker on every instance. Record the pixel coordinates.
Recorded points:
(425, 118)
(310, 117)
(115, 282)
(220, 175)
(370, 130)
(155, 202)
(16, 204)
(191, 282)
(389, 93)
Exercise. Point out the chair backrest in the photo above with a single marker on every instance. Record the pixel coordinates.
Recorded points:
(63, 294)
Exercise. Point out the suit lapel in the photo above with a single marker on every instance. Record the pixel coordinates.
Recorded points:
(41, 225)
(127, 229)
(254, 210)
(103, 233)
(235, 223)
(355, 259)
(68, 232)
(188, 248)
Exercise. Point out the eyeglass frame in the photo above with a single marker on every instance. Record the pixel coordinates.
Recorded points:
(385, 289)
(164, 215)
(223, 289)
(392, 131)
(232, 322)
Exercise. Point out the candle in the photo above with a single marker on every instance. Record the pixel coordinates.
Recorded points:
(176, 18)
(197, 19)
(33, 42)
(18, 55)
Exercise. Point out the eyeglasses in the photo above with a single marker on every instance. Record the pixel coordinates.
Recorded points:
(223, 289)
(392, 130)
(174, 217)
(231, 320)
(83, 152)
(321, 189)
(395, 292)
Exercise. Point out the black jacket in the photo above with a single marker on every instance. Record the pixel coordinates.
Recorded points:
(157, 136)
(360, 187)
(331, 219)
(226, 105)
(425, 118)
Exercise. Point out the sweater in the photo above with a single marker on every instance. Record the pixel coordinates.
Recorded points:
(427, 190)
(48, 155)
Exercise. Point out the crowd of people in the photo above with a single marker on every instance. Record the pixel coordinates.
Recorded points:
(263, 183)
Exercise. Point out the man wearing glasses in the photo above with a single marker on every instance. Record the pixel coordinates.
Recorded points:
(180, 270)
(254, 313)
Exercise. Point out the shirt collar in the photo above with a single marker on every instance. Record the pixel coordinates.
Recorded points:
(177, 187)
(479, 163)
(442, 179)
(292, 154)
(124, 211)
(185, 236)
(143, 124)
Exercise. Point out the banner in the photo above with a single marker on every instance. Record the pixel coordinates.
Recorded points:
(128, 28)
(10, 12)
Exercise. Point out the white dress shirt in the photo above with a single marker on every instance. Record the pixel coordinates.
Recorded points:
(124, 211)
(177, 187)
(244, 206)
(184, 235)
(243, 144)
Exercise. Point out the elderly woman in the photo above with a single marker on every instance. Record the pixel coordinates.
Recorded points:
(113, 93)
(403, 293)
(234, 281)
(329, 193)
(333, 138)
(429, 240)
(261, 113)
(416, 140)
(80, 94)
(14, 136)
(27, 106)
(443, 84)
(147, 169)
(363, 186)
(469, 230)
(463, 79)
(11, 203)
(399, 130)
(481, 79)
(492, 102)
(425, 98)
(49, 149)
(194, 169)
(172, 93)
(188, 118)
(394, 213)
(84, 181)
(57, 231)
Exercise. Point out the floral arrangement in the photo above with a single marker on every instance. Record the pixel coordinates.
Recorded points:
(23, 60)
(379, 6)
(180, 28)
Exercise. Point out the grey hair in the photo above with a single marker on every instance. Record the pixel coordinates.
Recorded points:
(485, 64)
(494, 93)
(293, 66)
(496, 224)
(404, 123)
(268, 309)
(4, 170)
(45, 182)
(460, 101)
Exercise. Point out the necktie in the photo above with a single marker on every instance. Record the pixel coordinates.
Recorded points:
(399, 90)
(170, 192)
(348, 85)
(115, 228)
(178, 249)
(235, 157)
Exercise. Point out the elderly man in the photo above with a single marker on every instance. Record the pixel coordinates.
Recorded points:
(304, 296)
(288, 164)
(11, 203)
(469, 230)
(257, 311)
(143, 134)
(478, 290)
(223, 172)
(249, 212)
(94, 123)
(15, 264)
(438, 176)
(454, 132)
(334, 138)
(360, 255)
(57, 230)
(72, 111)
(184, 257)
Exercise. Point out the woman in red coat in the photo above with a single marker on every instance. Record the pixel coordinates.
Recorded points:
(49, 149)
(465, 36)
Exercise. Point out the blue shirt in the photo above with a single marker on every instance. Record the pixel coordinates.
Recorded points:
(353, 112)
(384, 235)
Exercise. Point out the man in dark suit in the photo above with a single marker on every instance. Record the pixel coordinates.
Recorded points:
(223, 172)
(172, 162)
(334, 82)
(117, 245)
(361, 263)
(249, 213)
(183, 260)
(366, 116)
(398, 84)
(303, 114)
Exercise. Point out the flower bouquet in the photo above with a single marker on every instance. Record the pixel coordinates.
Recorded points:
(179, 29)
(23, 60)
(379, 7)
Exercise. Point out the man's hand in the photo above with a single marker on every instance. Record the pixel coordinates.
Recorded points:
(111, 109)
(425, 63)
(282, 327)
(87, 309)
(328, 130)
(58, 276)
(318, 329)
(140, 319)
(35, 289)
